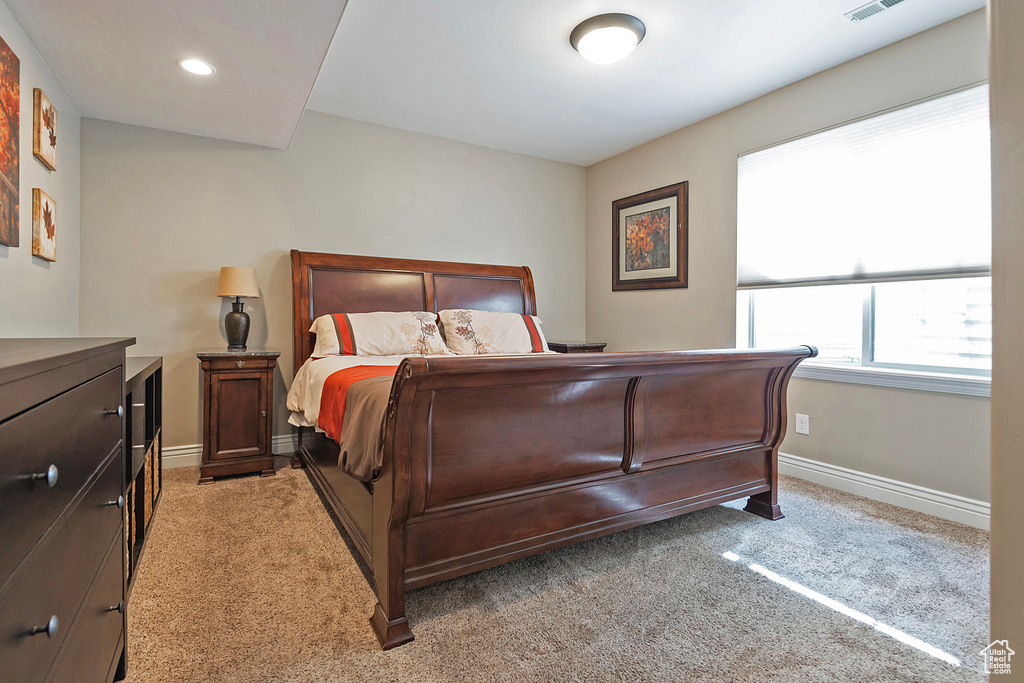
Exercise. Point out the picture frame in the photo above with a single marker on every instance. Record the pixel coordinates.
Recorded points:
(649, 239)
(44, 129)
(44, 225)
(10, 115)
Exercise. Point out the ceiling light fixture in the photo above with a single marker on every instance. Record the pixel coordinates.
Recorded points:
(197, 67)
(607, 38)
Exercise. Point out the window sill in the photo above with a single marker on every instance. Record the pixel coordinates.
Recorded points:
(900, 379)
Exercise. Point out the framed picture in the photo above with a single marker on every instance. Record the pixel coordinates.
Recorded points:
(649, 235)
(44, 129)
(10, 117)
(44, 225)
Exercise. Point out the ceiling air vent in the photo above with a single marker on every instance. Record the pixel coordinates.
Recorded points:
(870, 9)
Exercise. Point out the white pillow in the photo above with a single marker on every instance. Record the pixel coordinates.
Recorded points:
(468, 331)
(377, 334)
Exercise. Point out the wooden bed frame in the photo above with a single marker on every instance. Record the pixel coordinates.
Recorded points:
(488, 460)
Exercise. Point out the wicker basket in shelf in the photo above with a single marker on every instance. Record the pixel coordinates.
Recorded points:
(147, 498)
(155, 480)
(129, 528)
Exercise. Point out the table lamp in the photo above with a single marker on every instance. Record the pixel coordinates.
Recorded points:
(237, 282)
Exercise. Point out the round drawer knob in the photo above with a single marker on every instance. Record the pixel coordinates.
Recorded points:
(119, 607)
(119, 412)
(119, 502)
(50, 629)
(50, 475)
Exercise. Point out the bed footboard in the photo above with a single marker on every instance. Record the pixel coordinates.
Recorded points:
(488, 460)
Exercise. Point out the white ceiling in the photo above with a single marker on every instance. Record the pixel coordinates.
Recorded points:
(118, 60)
(498, 73)
(501, 73)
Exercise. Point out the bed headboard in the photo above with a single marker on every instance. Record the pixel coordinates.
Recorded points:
(340, 283)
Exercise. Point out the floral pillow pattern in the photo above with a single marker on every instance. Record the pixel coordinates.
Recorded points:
(472, 332)
(382, 333)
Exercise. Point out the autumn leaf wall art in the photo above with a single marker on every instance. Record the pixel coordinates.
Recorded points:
(44, 129)
(10, 116)
(44, 225)
(649, 239)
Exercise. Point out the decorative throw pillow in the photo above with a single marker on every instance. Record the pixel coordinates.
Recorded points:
(469, 331)
(377, 334)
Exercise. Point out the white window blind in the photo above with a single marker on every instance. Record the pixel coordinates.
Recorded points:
(901, 195)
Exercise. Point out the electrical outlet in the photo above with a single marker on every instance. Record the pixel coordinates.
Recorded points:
(803, 424)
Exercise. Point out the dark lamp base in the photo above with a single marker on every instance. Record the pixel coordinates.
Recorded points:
(236, 325)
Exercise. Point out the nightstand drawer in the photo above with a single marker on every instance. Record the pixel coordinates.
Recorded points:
(55, 583)
(242, 363)
(71, 433)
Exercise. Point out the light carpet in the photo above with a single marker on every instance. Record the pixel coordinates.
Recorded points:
(248, 579)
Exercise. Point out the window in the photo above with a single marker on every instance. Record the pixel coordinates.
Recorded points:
(930, 325)
(872, 241)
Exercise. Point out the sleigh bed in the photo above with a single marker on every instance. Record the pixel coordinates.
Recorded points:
(490, 459)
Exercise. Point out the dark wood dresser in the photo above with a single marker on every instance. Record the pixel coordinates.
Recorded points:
(62, 494)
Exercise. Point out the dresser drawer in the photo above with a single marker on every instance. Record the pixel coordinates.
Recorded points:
(55, 583)
(73, 433)
(90, 650)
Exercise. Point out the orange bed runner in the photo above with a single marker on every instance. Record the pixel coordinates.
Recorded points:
(335, 391)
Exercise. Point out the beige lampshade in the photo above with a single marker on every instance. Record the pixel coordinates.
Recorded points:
(238, 282)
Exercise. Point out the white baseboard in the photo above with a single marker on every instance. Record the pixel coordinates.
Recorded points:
(974, 513)
(192, 455)
(182, 456)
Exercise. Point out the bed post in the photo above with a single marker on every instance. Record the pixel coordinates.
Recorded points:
(767, 504)
(296, 461)
(390, 510)
(389, 622)
(300, 337)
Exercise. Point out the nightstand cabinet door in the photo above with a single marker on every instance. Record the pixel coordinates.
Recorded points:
(238, 412)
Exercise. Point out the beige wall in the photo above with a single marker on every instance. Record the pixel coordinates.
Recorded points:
(39, 298)
(162, 212)
(932, 440)
(1007, 93)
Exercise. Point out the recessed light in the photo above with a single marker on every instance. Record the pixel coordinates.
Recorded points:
(607, 38)
(197, 67)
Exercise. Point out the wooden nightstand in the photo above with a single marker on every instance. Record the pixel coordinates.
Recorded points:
(577, 347)
(238, 412)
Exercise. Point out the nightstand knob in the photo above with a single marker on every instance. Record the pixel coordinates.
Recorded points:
(119, 412)
(264, 413)
(119, 607)
(119, 502)
(50, 629)
(240, 363)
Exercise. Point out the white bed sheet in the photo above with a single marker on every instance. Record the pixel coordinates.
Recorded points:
(308, 385)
